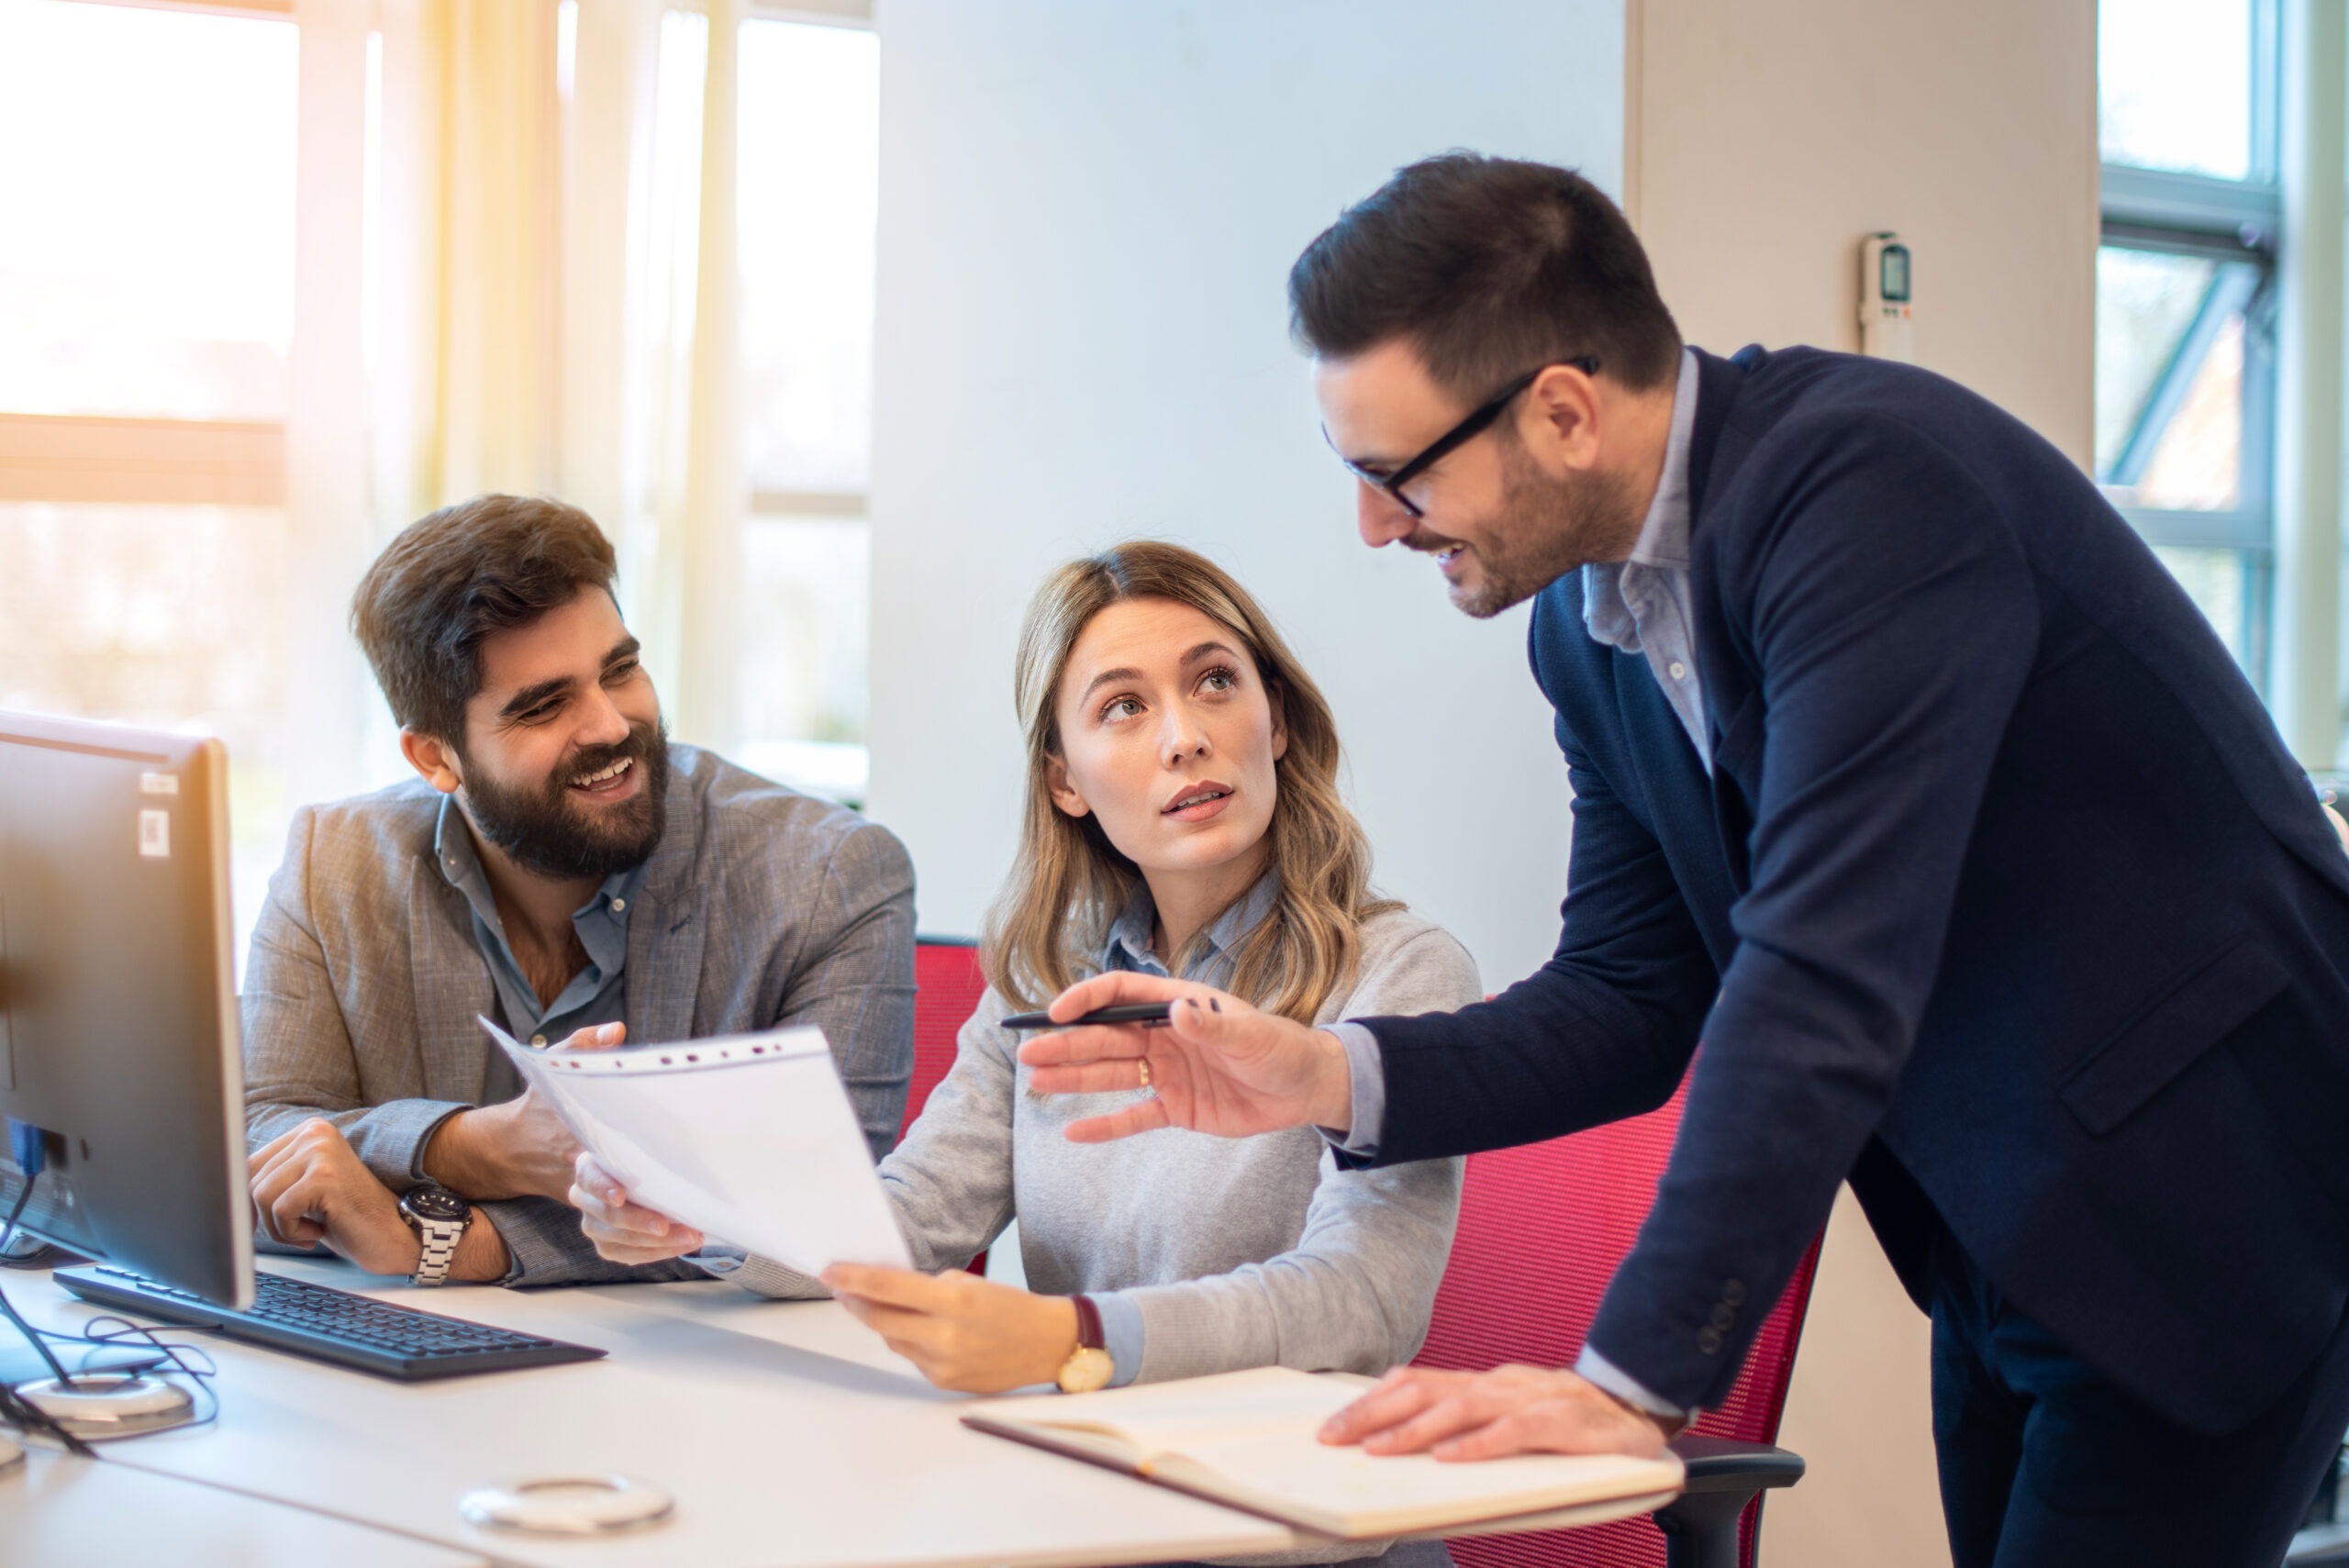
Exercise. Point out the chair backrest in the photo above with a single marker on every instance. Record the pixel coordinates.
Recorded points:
(948, 985)
(947, 988)
(1542, 1228)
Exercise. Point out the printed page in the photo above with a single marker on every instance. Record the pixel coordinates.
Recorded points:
(748, 1139)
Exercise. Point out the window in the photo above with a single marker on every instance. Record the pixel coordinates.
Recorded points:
(146, 318)
(186, 499)
(805, 121)
(2186, 297)
(809, 176)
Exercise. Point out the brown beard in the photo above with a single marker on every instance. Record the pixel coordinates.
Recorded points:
(1550, 528)
(544, 832)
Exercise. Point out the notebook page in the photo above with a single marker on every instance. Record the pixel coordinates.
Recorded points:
(1347, 1492)
(748, 1139)
(1162, 1417)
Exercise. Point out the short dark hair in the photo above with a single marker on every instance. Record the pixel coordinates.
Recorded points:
(454, 577)
(1488, 267)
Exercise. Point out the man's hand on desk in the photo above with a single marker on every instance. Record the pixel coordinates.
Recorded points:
(1484, 1415)
(519, 1149)
(624, 1232)
(309, 1186)
(1217, 1066)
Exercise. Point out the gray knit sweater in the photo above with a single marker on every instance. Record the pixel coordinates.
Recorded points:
(1238, 1253)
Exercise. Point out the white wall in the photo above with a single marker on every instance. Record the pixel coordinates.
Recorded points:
(1766, 140)
(1087, 212)
(1763, 143)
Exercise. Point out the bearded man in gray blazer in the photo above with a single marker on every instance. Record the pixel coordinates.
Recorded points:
(558, 866)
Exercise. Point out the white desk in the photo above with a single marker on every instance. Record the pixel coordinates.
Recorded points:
(59, 1510)
(789, 1435)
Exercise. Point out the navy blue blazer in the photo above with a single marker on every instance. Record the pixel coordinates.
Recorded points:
(2005, 900)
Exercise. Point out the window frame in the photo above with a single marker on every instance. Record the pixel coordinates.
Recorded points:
(769, 507)
(2229, 221)
(132, 459)
(779, 506)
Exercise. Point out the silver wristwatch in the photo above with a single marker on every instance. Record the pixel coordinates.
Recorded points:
(439, 1218)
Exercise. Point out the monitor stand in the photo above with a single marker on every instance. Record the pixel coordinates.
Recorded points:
(110, 1403)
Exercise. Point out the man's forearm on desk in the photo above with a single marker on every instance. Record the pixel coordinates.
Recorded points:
(384, 1137)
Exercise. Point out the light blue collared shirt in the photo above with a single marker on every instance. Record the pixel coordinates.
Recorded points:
(596, 995)
(1639, 605)
(1212, 960)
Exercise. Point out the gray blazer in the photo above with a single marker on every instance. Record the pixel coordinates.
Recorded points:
(761, 908)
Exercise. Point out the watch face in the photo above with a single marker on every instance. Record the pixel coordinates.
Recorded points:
(1087, 1370)
(436, 1202)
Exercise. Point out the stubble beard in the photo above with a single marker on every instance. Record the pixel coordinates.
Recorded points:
(1545, 529)
(543, 831)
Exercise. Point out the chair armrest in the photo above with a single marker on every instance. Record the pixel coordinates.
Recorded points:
(1700, 1526)
(1724, 1464)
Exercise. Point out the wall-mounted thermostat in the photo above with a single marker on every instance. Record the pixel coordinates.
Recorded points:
(1884, 302)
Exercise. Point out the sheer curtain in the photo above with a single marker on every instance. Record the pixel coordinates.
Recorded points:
(554, 302)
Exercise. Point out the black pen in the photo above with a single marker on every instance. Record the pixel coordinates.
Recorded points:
(1150, 1015)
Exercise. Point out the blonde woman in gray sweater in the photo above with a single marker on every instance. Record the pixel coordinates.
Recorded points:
(1181, 817)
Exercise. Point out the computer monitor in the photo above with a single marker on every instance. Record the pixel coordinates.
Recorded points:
(118, 1031)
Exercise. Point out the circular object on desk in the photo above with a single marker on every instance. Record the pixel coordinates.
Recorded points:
(108, 1404)
(568, 1505)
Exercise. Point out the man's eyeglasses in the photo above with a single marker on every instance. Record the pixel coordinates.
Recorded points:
(1466, 431)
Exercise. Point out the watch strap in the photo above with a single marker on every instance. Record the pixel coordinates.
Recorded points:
(1089, 1336)
(1089, 1366)
(439, 1238)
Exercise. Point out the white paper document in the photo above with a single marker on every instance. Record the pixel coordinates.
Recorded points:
(748, 1139)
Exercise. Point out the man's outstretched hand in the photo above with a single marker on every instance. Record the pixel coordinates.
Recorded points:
(1217, 1066)
(1484, 1415)
(518, 1148)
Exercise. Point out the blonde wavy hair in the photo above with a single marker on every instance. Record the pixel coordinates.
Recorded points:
(1069, 883)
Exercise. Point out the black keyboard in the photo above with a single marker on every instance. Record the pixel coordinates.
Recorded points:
(329, 1325)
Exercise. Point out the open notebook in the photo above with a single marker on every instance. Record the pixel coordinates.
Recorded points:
(1247, 1439)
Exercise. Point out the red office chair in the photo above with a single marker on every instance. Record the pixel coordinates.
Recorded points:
(1542, 1228)
(948, 988)
(948, 985)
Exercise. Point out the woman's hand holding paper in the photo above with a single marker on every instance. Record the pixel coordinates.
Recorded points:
(624, 1232)
(962, 1331)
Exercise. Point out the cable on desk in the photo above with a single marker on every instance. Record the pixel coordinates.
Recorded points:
(21, 1412)
(127, 1333)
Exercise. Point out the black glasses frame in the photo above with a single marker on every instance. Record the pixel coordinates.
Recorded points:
(1468, 430)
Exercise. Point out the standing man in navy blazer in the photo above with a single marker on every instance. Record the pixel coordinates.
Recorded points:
(1908, 782)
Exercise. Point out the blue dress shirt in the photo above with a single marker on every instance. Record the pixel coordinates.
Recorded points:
(1127, 946)
(596, 995)
(1638, 605)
